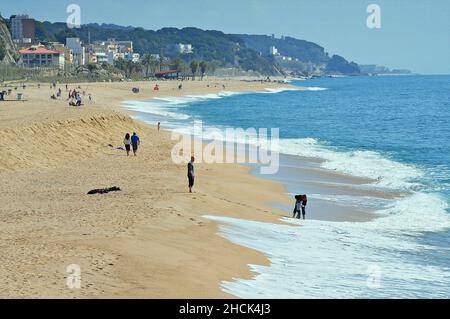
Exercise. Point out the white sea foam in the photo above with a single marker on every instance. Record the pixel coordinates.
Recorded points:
(161, 106)
(373, 203)
(278, 90)
(386, 172)
(287, 89)
(315, 89)
(333, 260)
(324, 259)
(155, 109)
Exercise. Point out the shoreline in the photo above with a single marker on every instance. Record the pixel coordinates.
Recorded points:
(152, 226)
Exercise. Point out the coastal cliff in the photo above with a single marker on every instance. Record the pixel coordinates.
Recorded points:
(8, 51)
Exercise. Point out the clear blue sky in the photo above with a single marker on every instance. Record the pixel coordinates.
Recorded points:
(415, 34)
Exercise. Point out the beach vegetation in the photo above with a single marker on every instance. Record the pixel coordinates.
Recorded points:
(194, 68)
(203, 67)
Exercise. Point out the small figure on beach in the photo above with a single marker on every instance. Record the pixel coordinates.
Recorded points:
(300, 206)
(78, 98)
(156, 87)
(304, 203)
(180, 87)
(127, 143)
(159, 126)
(135, 142)
(191, 173)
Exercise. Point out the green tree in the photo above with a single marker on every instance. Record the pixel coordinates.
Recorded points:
(194, 68)
(150, 64)
(130, 68)
(146, 63)
(120, 64)
(203, 67)
(162, 62)
(178, 64)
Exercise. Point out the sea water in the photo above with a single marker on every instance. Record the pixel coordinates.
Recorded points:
(392, 130)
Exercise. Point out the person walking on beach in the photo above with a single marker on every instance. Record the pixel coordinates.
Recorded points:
(135, 141)
(297, 207)
(304, 203)
(159, 126)
(127, 143)
(191, 173)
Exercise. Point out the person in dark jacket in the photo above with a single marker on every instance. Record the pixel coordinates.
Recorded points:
(191, 173)
(304, 203)
(135, 142)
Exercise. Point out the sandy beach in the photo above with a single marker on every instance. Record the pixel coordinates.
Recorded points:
(148, 241)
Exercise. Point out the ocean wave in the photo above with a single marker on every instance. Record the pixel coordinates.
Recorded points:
(419, 212)
(315, 89)
(333, 260)
(188, 99)
(288, 89)
(278, 90)
(384, 171)
(155, 109)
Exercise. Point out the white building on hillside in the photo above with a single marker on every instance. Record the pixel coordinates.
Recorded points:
(273, 51)
(184, 48)
(78, 51)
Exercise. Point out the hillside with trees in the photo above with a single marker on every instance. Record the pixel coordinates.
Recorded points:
(215, 47)
(220, 50)
(311, 57)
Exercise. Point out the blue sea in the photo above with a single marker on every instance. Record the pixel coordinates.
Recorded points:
(392, 130)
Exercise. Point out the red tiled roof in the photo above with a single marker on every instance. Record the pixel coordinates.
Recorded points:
(39, 51)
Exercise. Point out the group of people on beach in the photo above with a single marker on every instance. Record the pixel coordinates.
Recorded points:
(74, 98)
(131, 141)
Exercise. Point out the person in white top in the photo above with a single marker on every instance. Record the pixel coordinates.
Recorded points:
(127, 142)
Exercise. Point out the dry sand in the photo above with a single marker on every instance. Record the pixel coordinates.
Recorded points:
(148, 241)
